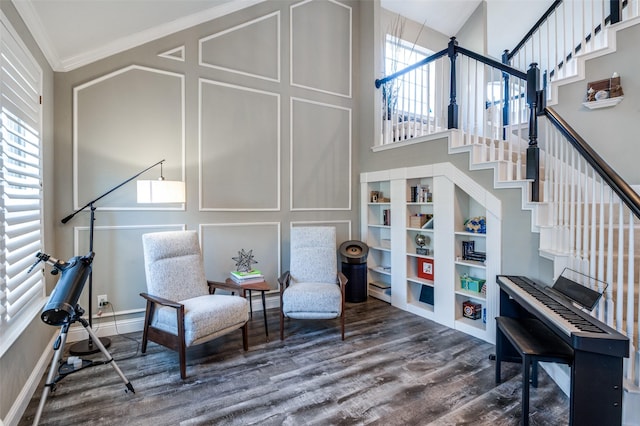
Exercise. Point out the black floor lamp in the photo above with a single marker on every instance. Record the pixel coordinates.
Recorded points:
(159, 191)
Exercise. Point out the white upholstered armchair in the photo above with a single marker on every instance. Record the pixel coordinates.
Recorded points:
(182, 310)
(312, 288)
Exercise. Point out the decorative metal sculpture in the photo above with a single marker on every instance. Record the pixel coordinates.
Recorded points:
(244, 261)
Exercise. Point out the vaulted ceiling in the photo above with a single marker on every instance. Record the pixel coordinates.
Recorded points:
(73, 33)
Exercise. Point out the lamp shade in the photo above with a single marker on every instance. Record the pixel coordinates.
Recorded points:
(160, 191)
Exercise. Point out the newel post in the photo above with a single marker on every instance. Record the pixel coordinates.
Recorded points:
(453, 107)
(614, 7)
(533, 152)
(507, 97)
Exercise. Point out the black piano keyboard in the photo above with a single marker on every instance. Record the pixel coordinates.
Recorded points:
(565, 313)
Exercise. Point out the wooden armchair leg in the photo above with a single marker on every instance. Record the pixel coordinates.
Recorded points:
(342, 324)
(281, 325)
(245, 336)
(182, 352)
(147, 321)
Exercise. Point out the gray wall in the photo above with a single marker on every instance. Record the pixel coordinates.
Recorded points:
(473, 34)
(610, 131)
(257, 119)
(19, 361)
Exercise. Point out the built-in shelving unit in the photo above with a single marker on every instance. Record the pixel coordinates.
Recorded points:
(433, 202)
(376, 197)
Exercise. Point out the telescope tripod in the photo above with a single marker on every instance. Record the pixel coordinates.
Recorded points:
(58, 347)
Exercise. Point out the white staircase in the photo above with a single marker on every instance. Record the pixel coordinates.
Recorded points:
(582, 223)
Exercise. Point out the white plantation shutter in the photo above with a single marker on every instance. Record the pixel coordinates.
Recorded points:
(21, 294)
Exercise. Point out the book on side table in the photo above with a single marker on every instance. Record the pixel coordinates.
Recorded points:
(250, 277)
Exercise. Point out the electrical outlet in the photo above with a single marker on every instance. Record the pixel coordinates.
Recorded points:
(103, 300)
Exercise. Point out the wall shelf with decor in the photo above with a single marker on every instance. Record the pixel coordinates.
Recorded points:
(428, 260)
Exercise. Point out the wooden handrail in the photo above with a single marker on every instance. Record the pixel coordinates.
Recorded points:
(425, 61)
(533, 29)
(628, 196)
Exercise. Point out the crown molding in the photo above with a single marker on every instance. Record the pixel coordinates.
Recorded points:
(34, 24)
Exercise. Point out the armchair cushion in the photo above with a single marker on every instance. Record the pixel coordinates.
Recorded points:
(312, 301)
(205, 317)
(313, 254)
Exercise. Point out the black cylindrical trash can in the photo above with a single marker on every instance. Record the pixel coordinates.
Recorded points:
(354, 267)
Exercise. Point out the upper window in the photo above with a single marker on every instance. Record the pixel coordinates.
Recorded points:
(413, 93)
(21, 293)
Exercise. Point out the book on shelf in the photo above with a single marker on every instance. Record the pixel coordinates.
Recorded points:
(254, 273)
(380, 284)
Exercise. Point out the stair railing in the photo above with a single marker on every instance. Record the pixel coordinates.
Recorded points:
(566, 30)
(490, 103)
(591, 219)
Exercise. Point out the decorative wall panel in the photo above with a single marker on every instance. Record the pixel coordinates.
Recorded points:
(177, 54)
(321, 37)
(252, 48)
(222, 241)
(239, 148)
(118, 265)
(320, 156)
(124, 122)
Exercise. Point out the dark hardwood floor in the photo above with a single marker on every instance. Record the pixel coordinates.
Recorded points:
(394, 368)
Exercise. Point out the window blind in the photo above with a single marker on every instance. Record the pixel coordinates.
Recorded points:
(21, 293)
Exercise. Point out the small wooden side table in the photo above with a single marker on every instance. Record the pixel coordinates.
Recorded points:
(262, 287)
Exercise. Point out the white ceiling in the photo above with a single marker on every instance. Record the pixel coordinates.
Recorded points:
(72, 33)
(444, 16)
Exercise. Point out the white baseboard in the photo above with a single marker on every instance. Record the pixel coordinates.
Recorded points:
(22, 401)
(106, 328)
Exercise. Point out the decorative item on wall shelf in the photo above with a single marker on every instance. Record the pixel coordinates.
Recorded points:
(477, 225)
(422, 240)
(470, 283)
(471, 310)
(244, 260)
(604, 93)
(425, 268)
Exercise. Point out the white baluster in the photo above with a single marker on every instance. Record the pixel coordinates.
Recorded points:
(620, 282)
(630, 290)
(601, 249)
(609, 301)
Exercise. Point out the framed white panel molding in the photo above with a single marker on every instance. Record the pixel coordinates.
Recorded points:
(221, 242)
(123, 122)
(177, 54)
(321, 36)
(239, 148)
(251, 49)
(320, 167)
(118, 264)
